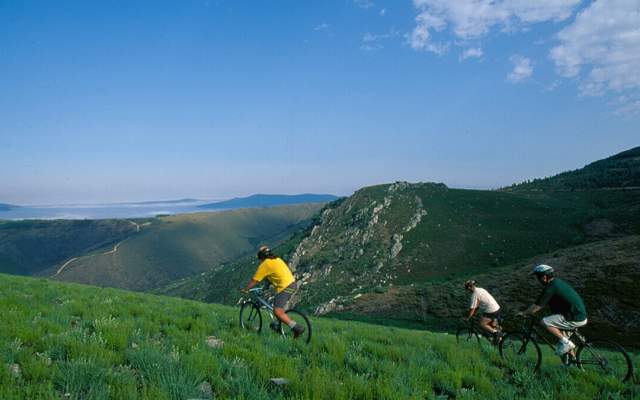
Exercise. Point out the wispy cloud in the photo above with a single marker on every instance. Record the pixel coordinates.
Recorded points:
(366, 4)
(522, 69)
(473, 52)
(599, 49)
(321, 27)
(472, 19)
(602, 48)
(372, 42)
(383, 12)
(627, 105)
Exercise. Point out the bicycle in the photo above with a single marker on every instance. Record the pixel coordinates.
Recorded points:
(468, 333)
(251, 316)
(601, 355)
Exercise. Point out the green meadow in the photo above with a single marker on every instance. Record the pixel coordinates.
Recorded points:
(69, 341)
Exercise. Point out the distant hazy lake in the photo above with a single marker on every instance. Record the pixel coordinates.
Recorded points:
(101, 211)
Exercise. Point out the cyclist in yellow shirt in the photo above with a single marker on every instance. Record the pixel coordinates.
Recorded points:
(279, 275)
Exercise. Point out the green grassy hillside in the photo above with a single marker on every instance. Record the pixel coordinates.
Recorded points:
(173, 247)
(397, 235)
(68, 341)
(619, 171)
(30, 247)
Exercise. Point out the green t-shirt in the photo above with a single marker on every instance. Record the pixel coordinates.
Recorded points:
(563, 299)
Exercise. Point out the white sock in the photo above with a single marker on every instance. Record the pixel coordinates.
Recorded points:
(564, 340)
(291, 324)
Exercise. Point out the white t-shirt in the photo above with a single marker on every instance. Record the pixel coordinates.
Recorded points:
(484, 301)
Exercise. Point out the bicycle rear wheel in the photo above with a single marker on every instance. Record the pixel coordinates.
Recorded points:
(520, 351)
(467, 335)
(301, 319)
(250, 317)
(605, 357)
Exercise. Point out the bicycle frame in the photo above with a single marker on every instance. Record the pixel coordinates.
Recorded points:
(533, 331)
(260, 302)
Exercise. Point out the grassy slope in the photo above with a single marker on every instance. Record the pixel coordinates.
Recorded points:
(463, 232)
(30, 247)
(73, 341)
(177, 246)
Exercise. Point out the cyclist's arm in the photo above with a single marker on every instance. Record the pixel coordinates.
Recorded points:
(251, 284)
(472, 312)
(533, 309)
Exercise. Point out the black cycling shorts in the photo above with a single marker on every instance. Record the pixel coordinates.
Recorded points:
(494, 315)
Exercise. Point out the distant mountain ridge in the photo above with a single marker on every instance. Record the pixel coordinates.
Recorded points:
(621, 170)
(269, 200)
(6, 207)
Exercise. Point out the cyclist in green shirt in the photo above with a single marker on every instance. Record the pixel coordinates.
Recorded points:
(566, 304)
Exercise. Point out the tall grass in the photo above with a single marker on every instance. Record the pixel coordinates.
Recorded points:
(77, 342)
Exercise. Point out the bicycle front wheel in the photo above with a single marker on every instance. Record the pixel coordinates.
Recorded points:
(520, 351)
(467, 335)
(605, 357)
(302, 320)
(250, 317)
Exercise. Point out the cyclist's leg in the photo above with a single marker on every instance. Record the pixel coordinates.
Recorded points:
(557, 325)
(486, 325)
(551, 325)
(487, 322)
(280, 303)
(281, 315)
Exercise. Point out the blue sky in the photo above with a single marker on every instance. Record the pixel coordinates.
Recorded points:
(140, 100)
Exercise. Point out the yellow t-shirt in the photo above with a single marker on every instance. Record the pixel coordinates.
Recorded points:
(276, 271)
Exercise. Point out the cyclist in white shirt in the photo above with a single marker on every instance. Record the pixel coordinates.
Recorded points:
(482, 301)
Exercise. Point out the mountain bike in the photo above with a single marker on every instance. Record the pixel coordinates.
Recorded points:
(602, 356)
(251, 316)
(473, 332)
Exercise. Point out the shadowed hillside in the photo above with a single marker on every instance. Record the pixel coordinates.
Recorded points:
(30, 247)
(174, 247)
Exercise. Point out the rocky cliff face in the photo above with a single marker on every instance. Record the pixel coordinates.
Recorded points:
(358, 244)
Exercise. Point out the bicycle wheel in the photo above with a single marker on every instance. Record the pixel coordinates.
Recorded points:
(605, 357)
(467, 335)
(301, 319)
(520, 351)
(250, 317)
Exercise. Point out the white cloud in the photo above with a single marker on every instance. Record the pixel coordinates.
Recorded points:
(627, 105)
(366, 4)
(522, 69)
(321, 27)
(383, 12)
(372, 42)
(601, 48)
(473, 52)
(472, 19)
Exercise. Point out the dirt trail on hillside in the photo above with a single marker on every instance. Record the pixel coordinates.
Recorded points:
(106, 253)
